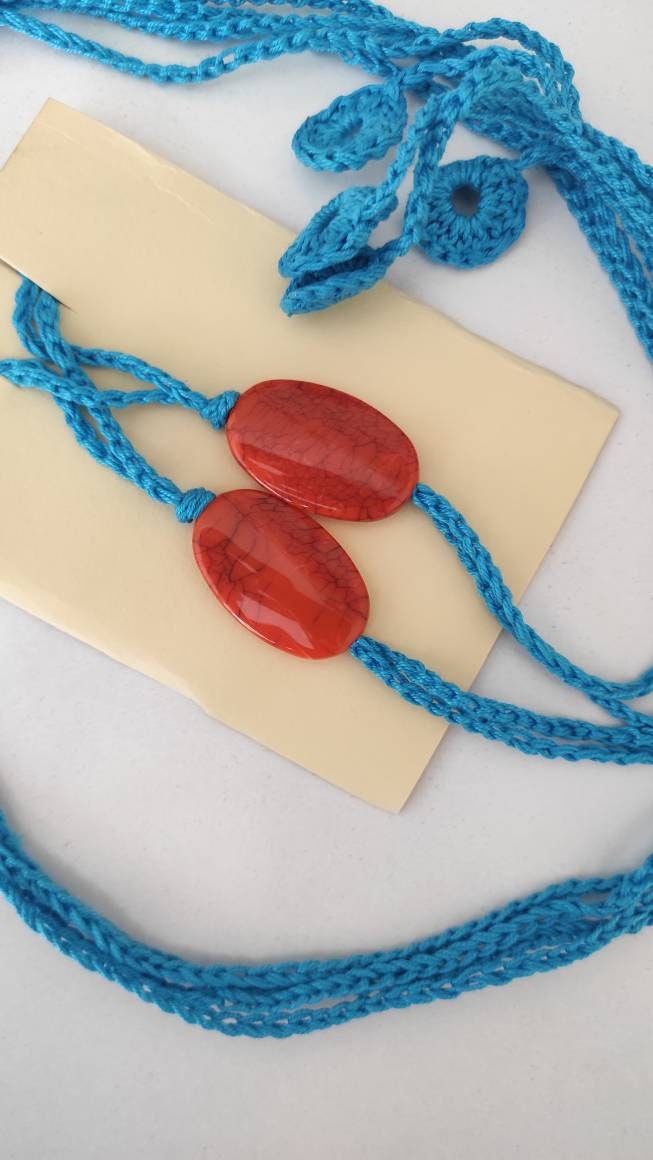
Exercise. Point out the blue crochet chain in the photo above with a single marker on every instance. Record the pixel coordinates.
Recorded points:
(429, 81)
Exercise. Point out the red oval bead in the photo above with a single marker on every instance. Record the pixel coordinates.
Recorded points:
(280, 573)
(322, 450)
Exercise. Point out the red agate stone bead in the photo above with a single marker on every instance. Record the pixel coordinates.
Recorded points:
(280, 573)
(322, 450)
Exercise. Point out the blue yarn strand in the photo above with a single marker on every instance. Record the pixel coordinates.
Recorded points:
(573, 739)
(518, 93)
(58, 370)
(546, 930)
(477, 561)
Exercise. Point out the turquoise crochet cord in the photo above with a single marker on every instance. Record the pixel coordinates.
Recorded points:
(525, 100)
(548, 929)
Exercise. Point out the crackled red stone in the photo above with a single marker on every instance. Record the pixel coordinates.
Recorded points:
(322, 450)
(280, 573)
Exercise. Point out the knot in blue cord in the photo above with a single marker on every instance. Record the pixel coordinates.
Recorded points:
(475, 210)
(192, 504)
(216, 411)
(88, 410)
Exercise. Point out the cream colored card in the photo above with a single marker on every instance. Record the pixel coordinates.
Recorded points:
(154, 262)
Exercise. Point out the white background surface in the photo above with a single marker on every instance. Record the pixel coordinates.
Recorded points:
(200, 841)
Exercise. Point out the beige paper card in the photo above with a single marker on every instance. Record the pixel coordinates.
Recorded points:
(152, 261)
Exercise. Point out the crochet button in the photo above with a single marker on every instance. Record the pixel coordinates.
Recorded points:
(280, 574)
(322, 450)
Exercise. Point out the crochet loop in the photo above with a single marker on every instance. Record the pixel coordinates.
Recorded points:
(353, 129)
(496, 194)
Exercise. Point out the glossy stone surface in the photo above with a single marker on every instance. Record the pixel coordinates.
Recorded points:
(322, 450)
(280, 573)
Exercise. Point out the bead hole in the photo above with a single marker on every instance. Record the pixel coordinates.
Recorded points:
(465, 200)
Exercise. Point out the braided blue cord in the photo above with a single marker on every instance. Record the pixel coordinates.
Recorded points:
(58, 370)
(521, 97)
(566, 922)
(573, 739)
